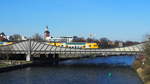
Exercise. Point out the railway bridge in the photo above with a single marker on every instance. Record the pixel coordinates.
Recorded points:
(32, 48)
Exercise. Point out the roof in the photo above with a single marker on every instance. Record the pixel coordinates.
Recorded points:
(75, 43)
(2, 34)
(46, 32)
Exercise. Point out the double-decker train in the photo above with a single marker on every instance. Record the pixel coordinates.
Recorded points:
(5, 43)
(75, 44)
(63, 44)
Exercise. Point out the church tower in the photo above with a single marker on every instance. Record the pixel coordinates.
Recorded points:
(47, 34)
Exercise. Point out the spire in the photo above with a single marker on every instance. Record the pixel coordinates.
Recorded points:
(46, 32)
(46, 29)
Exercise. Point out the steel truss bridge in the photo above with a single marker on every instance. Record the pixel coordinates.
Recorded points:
(33, 48)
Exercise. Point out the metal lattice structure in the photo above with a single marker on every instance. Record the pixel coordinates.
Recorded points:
(35, 47)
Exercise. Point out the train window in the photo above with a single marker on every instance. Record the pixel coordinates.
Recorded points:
(83, 46)
(95, 45)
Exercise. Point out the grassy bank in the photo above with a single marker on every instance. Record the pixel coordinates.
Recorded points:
(5, 65)
(143, 70)
(8, 63)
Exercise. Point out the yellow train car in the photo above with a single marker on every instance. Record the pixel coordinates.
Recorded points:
(57, 44)
(5, 43)
(76, 45)
(8, 43)
(92, 45)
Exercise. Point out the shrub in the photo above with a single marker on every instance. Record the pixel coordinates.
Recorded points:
(137, 64)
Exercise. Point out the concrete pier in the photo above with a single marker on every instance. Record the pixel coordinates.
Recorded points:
(28, 57)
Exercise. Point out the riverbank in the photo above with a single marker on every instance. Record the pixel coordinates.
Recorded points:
(13, 65)
(143, 71)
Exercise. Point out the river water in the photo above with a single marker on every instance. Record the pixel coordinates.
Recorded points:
(112, 70)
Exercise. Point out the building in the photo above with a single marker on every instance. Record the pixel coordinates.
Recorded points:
(47, 35)
(16, 37)
(120, 44)
(3, 37)
(62, 39)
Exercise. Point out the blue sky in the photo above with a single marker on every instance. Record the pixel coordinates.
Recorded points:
(115, 19)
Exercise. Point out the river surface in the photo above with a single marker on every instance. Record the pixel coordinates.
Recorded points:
(112, 70)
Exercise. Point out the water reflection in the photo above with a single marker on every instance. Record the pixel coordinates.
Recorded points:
(82, 73)
(112, 60)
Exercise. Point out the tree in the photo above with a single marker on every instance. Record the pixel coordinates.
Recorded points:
(130, 43)
(78, 39)
(15, 37)
(5, 56)
(0, 53)
(91, 40)
(147, 50)
(37, 37)
(104, 42)
(104, 39)
(147, 61)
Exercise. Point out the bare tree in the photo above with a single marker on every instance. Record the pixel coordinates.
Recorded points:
(104, 42)
(37, 37)
(78, 39)
(15, 37)
(147, 50)
(4, 56)
(91, 40)
(0, 53)
(146, 68)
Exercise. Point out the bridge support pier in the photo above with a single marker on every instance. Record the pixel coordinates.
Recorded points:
(28, 57)
(53, 58)
(56, 59)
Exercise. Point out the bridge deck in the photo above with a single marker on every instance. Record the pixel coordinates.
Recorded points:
(35, 47)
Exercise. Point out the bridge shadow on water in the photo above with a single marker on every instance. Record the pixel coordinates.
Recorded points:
(100, 61)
